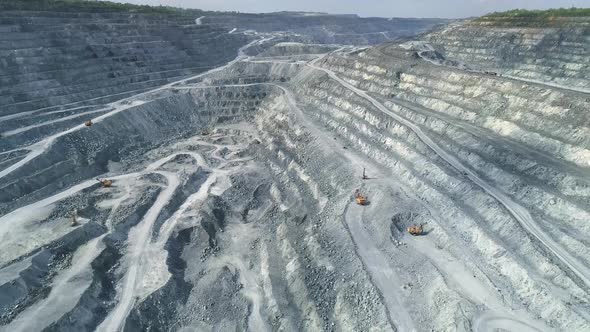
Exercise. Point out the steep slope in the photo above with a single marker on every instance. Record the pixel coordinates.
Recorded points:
(516, 179)
(547, 49)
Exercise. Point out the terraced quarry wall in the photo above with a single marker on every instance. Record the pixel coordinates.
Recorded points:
(325, 28)
(232, 201)
(52, 59)
(556, 52)
(501, 135)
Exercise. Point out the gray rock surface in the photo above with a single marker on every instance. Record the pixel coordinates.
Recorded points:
(551, 53)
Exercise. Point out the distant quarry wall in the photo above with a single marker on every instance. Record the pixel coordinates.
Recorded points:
(51, 60)
(556, 51)
(326, 28)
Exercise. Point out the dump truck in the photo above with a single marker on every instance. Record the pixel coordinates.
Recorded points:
(360, 199)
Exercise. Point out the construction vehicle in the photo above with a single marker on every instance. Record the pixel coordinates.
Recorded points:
(360, 199)
(88, 123)
(105, 183)
(74, 219)
(365, 177)
(416, 230)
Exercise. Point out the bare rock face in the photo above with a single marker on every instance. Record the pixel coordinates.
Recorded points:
(553, 52)
(80, 60)
(231, 200)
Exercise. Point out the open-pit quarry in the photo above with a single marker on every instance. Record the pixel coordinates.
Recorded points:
(233, 158)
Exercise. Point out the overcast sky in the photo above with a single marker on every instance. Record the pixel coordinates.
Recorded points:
(382, 8)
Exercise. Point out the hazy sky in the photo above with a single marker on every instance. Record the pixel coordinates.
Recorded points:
(383, 8)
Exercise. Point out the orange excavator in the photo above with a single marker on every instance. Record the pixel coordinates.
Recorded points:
(105, 183)
(360, 199)
(416, 230)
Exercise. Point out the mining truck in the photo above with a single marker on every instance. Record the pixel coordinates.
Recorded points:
(360, 199)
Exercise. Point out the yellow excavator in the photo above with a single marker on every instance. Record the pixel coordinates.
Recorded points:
(360, 199)
(105, 183)
(416, 230)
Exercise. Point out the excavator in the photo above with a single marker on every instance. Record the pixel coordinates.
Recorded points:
(105, 183)
(360, 199)
(416, 230)
(88, 123)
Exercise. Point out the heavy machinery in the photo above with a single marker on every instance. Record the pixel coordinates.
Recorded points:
(88, 123)
(416, 230)
(74, 219)
(360, 199)
(105, 183)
